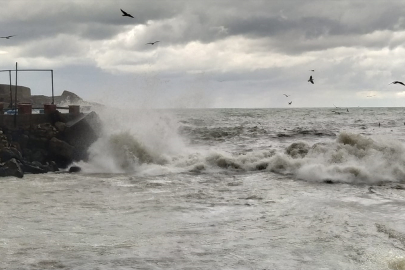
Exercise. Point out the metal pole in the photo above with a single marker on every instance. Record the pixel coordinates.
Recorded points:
(11, 92)
(15, 97)
(53, 98)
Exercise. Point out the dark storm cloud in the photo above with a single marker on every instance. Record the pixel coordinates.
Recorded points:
(297, 29)
(291, 27)
(284, 22)
(86, 19)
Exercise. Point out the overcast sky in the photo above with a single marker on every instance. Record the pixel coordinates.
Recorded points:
(219, 53)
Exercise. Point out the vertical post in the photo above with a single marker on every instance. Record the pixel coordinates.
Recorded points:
(11, 92)
(53, 98)
(15, 97)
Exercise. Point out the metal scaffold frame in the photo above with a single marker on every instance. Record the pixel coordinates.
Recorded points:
(16, 70)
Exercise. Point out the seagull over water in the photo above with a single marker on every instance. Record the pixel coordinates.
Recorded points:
(126, 14)
(8, 37)
(286, 95)
(397, 82)
(311, 80)
(289, 103)
(153, 43)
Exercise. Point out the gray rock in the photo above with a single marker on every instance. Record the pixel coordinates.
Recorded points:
(61, 149)
(60, 126)
(8, 153)
(34, 168)
(52, 166)
(11, 168)
(74, 169)
(38, 155)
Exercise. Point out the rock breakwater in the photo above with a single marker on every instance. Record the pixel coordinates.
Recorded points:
(46, 147)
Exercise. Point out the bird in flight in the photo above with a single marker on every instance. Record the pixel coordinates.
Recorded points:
(396, 82)
(311, 80)
(8, 37)
(126, 14)
(289, 103)
(153, 43)
(286, 95)
(312, 69)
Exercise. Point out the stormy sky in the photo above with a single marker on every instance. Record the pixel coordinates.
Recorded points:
(222, 53)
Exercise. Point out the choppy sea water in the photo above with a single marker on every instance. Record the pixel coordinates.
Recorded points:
(219, 189)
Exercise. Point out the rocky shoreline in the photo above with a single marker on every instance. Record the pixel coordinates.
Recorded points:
(48, 147)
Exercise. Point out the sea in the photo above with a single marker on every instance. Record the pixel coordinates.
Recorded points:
(287, 188)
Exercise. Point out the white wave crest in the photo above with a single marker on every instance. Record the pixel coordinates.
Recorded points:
(354, 158)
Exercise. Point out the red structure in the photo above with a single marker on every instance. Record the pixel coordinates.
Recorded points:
(24, 108)
(49, 108)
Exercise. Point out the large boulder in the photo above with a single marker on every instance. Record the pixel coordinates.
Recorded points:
(33, 168)
(60, 126)
(11, 168)
(81, 133)
(62, 152)
(8, 153)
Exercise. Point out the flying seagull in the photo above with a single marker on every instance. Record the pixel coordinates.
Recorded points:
(397, 82)
(8, 37)
(286, 95)
(126, 14)
(289, 103)
(311, 80)
(312, 69)
(153, 43)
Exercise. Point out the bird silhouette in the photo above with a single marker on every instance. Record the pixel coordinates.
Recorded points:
(8, 37)
(286, 95)
(312, 70)
(125, 14)
(289, 103)
(153, 43)
(397, 82)
(311, 80)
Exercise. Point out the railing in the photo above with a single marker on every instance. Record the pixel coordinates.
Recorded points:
(26, 108)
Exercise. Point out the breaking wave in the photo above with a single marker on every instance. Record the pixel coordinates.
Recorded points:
(145, 141)
(352, 158)
(132, 139)
(156, 142)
